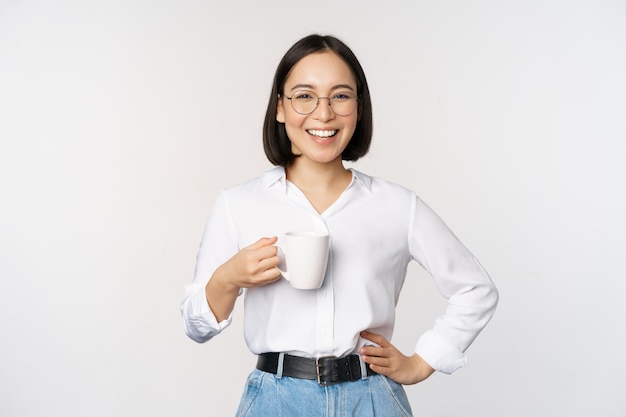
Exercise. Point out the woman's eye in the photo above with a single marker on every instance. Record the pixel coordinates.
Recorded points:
(303, 96)
(342, 96)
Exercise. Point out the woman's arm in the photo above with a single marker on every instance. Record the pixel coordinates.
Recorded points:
(472, 297)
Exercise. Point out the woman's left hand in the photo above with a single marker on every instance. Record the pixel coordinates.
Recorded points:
(389, 361)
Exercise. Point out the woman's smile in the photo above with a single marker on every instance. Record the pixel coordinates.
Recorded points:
(322, 134)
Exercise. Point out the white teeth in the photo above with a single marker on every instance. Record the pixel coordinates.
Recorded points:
(322, 133)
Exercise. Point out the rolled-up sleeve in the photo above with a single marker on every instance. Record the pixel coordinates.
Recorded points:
(472, 297)
(218, 244)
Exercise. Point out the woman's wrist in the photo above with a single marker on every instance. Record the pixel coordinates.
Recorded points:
(221, 294)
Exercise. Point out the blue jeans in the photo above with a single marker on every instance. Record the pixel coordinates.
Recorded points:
(267, 395)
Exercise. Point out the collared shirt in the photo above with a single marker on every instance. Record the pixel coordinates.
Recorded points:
(376, 228)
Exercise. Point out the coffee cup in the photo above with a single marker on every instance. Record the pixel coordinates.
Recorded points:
(306, 256)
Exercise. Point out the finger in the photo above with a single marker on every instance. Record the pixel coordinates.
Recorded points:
(266, 252)
(382, 370)
(376, 338)
(270, 275)
(264, 241)
(269, 263)
(373, 351)
(377, 361)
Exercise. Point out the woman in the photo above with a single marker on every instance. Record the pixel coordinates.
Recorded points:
(327, 351)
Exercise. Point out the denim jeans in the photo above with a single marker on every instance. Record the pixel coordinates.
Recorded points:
(267, 395)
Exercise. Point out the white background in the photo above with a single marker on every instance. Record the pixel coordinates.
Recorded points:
(121, 120)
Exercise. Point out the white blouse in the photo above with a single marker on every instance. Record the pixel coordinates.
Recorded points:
(376, 228)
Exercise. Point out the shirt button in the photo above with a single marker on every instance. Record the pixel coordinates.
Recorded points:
(325, 333)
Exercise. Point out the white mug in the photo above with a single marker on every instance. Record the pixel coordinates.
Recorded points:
(306, 255)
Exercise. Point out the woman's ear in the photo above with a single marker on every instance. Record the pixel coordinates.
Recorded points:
(280, 110)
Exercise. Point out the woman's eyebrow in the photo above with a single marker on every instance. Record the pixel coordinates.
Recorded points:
(311, 87)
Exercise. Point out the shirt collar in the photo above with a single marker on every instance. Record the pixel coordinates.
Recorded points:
(363, 179)
(277, 175)
(274, 175)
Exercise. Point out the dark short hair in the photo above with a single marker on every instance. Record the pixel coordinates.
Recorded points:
(275, 141)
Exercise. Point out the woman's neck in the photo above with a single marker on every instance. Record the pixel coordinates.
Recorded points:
(315, 176)
(322, 184)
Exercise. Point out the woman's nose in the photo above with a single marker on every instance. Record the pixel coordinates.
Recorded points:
(323, 110)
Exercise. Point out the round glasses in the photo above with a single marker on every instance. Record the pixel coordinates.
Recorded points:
(305, 102)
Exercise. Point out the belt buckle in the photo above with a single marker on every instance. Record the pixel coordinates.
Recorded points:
(318, 367)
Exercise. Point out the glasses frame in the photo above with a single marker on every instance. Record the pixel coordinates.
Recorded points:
(317, 102)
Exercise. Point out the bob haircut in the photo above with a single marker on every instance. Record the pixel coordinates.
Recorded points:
(275, 140)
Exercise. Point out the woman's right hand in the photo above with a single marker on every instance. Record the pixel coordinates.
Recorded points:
(252, 266)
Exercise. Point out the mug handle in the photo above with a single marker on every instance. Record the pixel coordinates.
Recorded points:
(283, 273)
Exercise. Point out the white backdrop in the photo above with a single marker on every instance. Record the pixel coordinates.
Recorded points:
(121, 120)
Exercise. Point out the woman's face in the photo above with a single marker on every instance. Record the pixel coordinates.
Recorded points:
(322, 135)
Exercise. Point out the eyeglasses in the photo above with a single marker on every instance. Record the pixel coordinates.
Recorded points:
(305, 102)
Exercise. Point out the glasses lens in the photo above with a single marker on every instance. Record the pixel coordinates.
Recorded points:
(304, 102)
(343, 104)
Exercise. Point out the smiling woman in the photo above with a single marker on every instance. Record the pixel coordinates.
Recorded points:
(319, 115)
(122, 120)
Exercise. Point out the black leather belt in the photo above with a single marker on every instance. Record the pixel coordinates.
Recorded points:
(327, 370)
